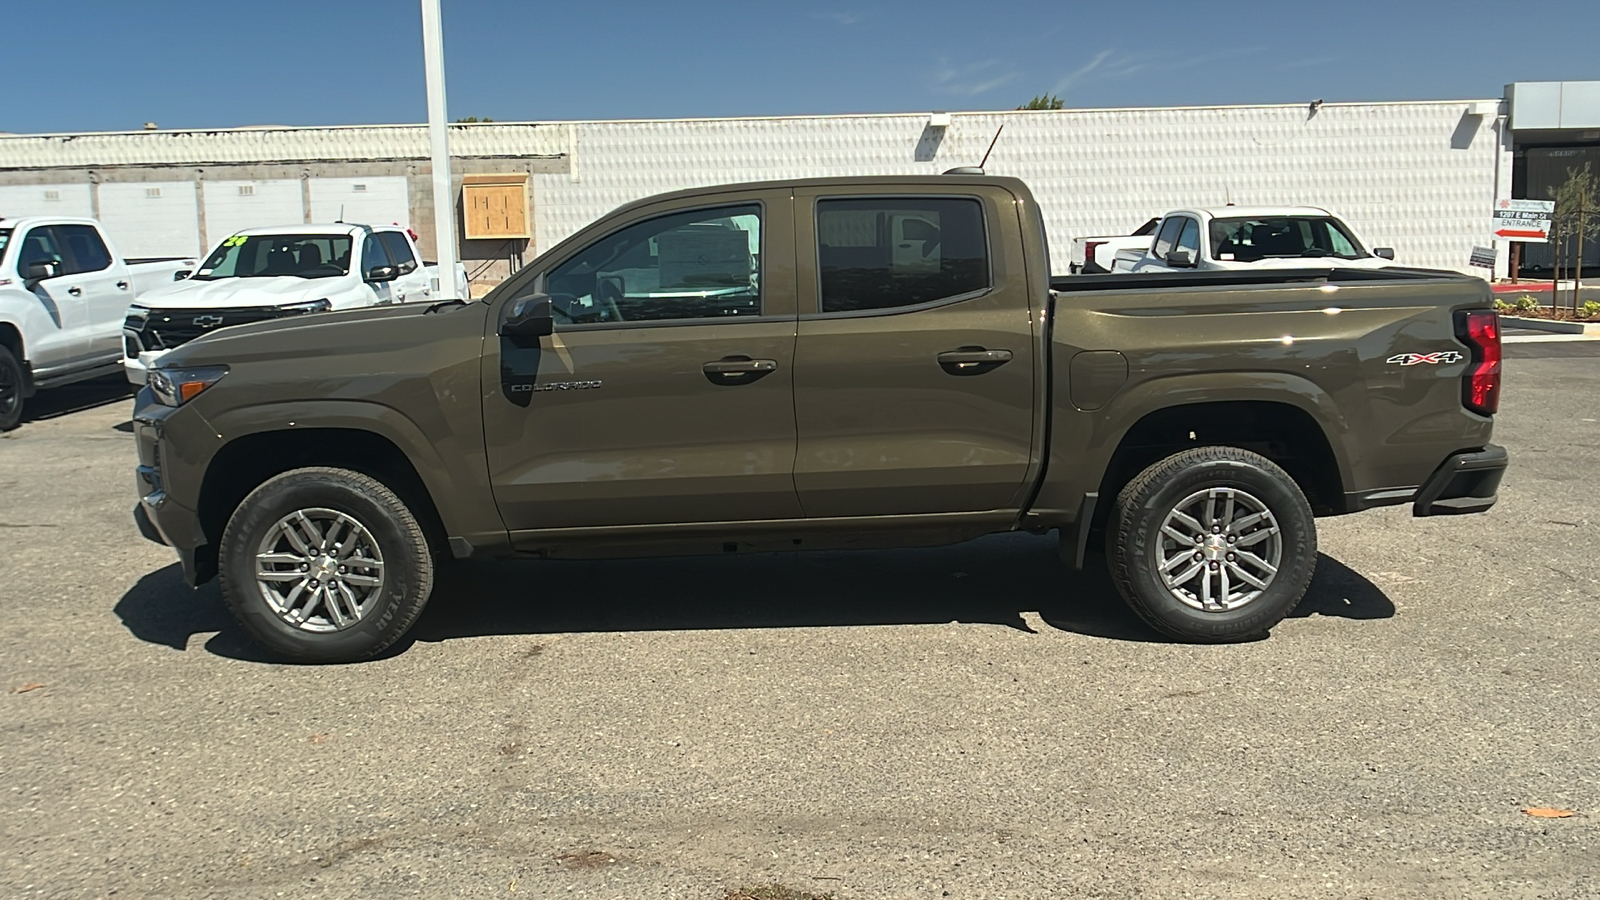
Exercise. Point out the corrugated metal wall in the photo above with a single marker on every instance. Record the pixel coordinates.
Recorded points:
(1416, 176)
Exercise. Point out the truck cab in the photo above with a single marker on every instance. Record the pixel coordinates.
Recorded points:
(63, 292)
(1243, 238)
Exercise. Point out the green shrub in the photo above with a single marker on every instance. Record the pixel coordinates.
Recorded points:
(1591, 308)
(1527, 303)
(1502, 306)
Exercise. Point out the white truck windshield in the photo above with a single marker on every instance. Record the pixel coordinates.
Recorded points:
(270, 255)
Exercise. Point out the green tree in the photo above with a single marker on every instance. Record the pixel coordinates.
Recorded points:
(471, 119)
(1044, 101)
(1577, 214)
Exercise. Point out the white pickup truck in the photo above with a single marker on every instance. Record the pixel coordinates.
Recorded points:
(63, 292)
(1236, 237)
(1095, 255)
(270, 273)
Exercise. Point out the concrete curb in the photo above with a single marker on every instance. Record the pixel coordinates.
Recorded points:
(1544, 325)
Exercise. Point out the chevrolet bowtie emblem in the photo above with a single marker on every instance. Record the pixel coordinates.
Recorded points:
(208, 321)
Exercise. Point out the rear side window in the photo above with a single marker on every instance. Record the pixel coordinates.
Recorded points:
(86, 250)
(891, 252)
(399, 251)
(1166, 238)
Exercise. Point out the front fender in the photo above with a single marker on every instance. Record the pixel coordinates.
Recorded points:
(450, 465)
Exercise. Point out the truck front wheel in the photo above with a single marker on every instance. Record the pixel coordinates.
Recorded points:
(1213, 544)
(325, 565)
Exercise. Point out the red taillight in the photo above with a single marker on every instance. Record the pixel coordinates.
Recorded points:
(1088, 253)
(1480, 389)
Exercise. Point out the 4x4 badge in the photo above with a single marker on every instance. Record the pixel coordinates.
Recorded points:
(1431, 359)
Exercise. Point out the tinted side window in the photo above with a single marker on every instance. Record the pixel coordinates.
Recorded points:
(1166, 238)
(701, 264)
(87, 250)
(373, 254)
(884, 253)
(1189, 240)
(399, 251)
(39, 246)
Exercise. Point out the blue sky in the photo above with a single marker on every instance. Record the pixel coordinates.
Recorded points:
(118, 64)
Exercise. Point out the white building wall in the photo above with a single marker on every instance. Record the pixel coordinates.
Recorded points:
(1419, 177)
(232, 206)
(154, 218)
(380, 200)
(18, 200)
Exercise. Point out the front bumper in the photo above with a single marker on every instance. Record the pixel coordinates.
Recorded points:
(1465, 483)
(137, 368)
(158, 516)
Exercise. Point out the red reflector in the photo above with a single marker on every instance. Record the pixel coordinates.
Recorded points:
(1481, 388)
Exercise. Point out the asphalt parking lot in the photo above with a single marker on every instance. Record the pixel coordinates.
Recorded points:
(965, 722)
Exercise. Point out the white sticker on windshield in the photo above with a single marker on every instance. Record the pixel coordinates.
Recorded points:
(205, 272)
(1224, 256)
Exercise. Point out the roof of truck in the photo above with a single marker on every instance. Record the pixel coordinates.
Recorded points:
(314, 228)
(1253, 212)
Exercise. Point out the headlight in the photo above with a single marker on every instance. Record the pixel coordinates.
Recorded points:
(175, 387)
(295, 309)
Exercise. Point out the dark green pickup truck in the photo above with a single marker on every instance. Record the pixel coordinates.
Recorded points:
(839, 363)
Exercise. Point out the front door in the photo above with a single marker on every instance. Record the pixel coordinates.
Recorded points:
(914, 368)
(665, 394)
(412, 284)
(64, 337)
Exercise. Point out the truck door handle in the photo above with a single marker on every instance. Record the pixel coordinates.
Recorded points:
(123, 285)
(75, 291)
(738, 369)
(973, 360)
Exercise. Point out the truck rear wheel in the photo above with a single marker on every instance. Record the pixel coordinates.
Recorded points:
(12, 386)
(1213, 544)
(325, 565)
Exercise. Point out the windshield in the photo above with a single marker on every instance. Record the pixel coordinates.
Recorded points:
(269, 255)
(1278, 237)
(5, 238)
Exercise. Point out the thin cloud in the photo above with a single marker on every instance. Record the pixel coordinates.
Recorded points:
(846, 18)
(972, 79)
(1114, 65)
(1308, 63)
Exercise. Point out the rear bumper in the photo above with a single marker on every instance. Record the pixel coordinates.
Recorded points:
(1464, 483)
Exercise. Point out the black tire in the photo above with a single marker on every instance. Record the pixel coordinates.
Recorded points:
(405, 578)
(13, 387)
(1135, 537)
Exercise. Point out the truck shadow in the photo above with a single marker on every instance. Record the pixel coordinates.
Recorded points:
(84, 395)
(990, 581)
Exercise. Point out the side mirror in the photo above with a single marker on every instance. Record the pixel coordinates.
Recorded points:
(39, 272)
(181, 274)
(379, 274)
(1383, 252)
(529, 317)
(1180, 259)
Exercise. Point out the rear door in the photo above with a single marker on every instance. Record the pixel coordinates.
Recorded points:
(106, 290)
(665, 394)
(914, 367)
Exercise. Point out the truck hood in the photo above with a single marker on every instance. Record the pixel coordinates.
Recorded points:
(230, 293)
(337, 344)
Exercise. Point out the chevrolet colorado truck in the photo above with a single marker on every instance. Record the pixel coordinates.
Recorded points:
(836, 363)
(63, 292)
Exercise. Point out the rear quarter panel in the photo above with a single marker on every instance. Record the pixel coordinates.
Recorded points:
(1327, 349)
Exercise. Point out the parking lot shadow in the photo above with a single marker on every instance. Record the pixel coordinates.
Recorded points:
(990, 581)
(78, 397)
